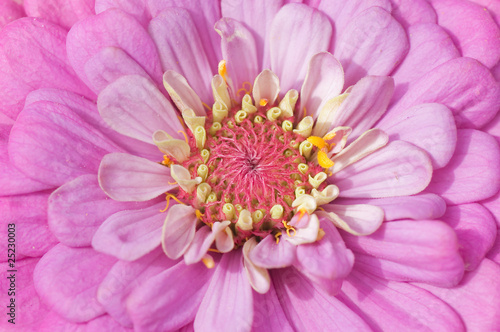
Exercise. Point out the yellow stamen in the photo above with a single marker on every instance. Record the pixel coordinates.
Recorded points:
(223, 69)
(263, 102)
(305, 112)
(214, 250)
(277, 237)
(206, 106)
(301, 213)
(317, 141)
(181, 120)
(199, 215)
(323, 160)
(166, 161)
(329, 136)
(172, 183)
(289, 228)
(185, 136)
(208, 261)
(168, 197)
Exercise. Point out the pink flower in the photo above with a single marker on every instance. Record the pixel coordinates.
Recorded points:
(353, 186)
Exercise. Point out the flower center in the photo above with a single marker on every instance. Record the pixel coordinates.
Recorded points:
(252, 167)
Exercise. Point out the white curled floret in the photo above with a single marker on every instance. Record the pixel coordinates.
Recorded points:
(305, 204)
(318, 179)
(328, 114)
(257, 276)
(304, 128)
(183, 178)
(176, 148)
(192, 120)
(326, 195)
(220, 91)
(245, 221)
(287, 104)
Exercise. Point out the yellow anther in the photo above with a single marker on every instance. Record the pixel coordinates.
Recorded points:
(168, 197)
(289, 228)
(305, 112)
(323, 160)
(166, 161)
(172, 183)
(317, 141)
(329, 136)
(277, 237)
(207, 106)
(301, 213)
(222, 69)
(208, 261)
(263, 102)
(199, 215)
(185, 136)
(214, 250)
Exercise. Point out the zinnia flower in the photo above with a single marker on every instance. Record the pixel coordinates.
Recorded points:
(252, 165)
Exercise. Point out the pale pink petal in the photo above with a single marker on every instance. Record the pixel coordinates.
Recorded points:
(311, 309)
(268, 313)
(181, 49)
(493, 127)
(423, 250)
(417, 207)
(258, 277)
(109, 64)
(204, 14)
(474, 298)
(464, 85)
(129, 235)
(258, 16)
(33, 56)
(198, 248)
(430, 46)
(106, 323)
(175, 306)
(124, 177)
(494, 253)
(240, 53)
(181, 93)
(366, 103)
(136, 8)
(476, 231)
(52, 144)
(398, 169)
(133, 106)
(358, 219)
(393, 306)
(117, 29)
(178, 230)
(228, 295)
(493, 205)
(269, 255)
(10, 11)
(410, 13)
(473, 174)
(67, 280)
(374, 31)
(266, 86)
(479, 38)
(327, 258)
(122, 280)
(428, 126)
(62, 12)
(324, 80)
(299, 30)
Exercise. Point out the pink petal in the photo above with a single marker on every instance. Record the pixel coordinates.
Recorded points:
(362, 219)
(409, 13)
(178, 230)
(493, 205)
(28, 213)
(398, 169)
(374, 31)
(198, 248)
(129, 235)
(124, 177)
(33, 56)
(324, 80)
(473, 173)
(229, 295)
(476, 231)
(424, 250)
(258, 277)
(134, 107)
(204, 15)
(464, 85)
(269, 255)
(52, 144)
(494, 253)
(106, 323)
(122, 280)
(430, 46)
(177, 306)
(479, 38)
(62, 12)
(176, 37)
(365, 104)
(428, 126)
(299, 30)
(269, 315)
(112, 28)
(327, 258)
(67, 279)
(10, 11)
(109, 64)
(136, 8)
(311, 309)
(417, 207)
(393, 306)
(79, 207)
(475, 297)
(258, 16)
(240, 52)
